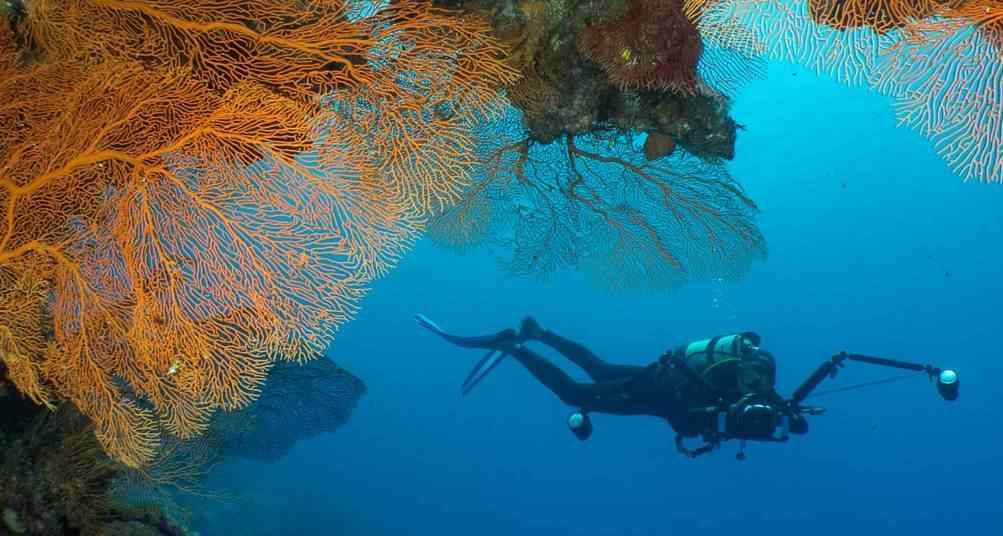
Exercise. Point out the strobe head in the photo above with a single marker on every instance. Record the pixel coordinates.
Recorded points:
(948, 384)
(580, 424)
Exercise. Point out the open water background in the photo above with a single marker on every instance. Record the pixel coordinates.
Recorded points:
(875, 247)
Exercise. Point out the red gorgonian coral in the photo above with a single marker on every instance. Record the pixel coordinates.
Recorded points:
(653, 46)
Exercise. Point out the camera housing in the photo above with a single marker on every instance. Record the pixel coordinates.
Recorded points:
(754, 420)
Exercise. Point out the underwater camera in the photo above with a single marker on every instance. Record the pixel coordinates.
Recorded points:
(756, 419)
(753, 420)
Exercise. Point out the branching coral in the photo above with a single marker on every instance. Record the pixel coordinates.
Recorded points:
(599, 206)
(654, 45)
(393, 67)
(24, 296)
(940, 60)
(879, 15)
(167, 245)
(987, 17)
(190, 191)
(948, 84)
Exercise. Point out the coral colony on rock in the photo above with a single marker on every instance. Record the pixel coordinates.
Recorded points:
(197, 194)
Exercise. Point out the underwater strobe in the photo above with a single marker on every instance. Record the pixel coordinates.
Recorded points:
(948, 384)
(580, 424)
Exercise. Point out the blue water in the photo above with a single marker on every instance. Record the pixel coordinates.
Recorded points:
(874, 248)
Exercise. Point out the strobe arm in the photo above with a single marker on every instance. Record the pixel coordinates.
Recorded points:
(947, 380)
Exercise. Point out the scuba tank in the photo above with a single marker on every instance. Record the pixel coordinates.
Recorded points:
(732, 364)
(701, 354)
(741, 377)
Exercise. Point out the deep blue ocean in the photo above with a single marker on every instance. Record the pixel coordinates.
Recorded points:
(874, 247)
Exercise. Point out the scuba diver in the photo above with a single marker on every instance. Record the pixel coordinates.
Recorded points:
(718, 389)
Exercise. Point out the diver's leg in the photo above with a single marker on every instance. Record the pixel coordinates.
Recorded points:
(596, 368)
(604, 396)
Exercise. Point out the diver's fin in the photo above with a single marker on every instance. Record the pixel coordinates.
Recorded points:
(427, 323)
(477, 367)
(487, 363)
(489, 342)
(483, 367)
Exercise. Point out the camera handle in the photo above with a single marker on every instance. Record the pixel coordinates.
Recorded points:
(947, 380)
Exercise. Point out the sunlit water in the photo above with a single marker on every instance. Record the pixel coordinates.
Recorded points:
(874, 247)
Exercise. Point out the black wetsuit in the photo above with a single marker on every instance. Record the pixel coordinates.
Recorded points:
(657, 389)
(670, 387)
(666, 388)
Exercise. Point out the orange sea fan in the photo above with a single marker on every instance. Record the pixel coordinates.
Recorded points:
(948, 83)
(24, 296)
(180, 268)
(879, 15)
(405, 61)
(196, 210)
(940, 60)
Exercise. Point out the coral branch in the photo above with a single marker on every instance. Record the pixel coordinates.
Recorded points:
(941, 61)
(193, 190)
(597, 205)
